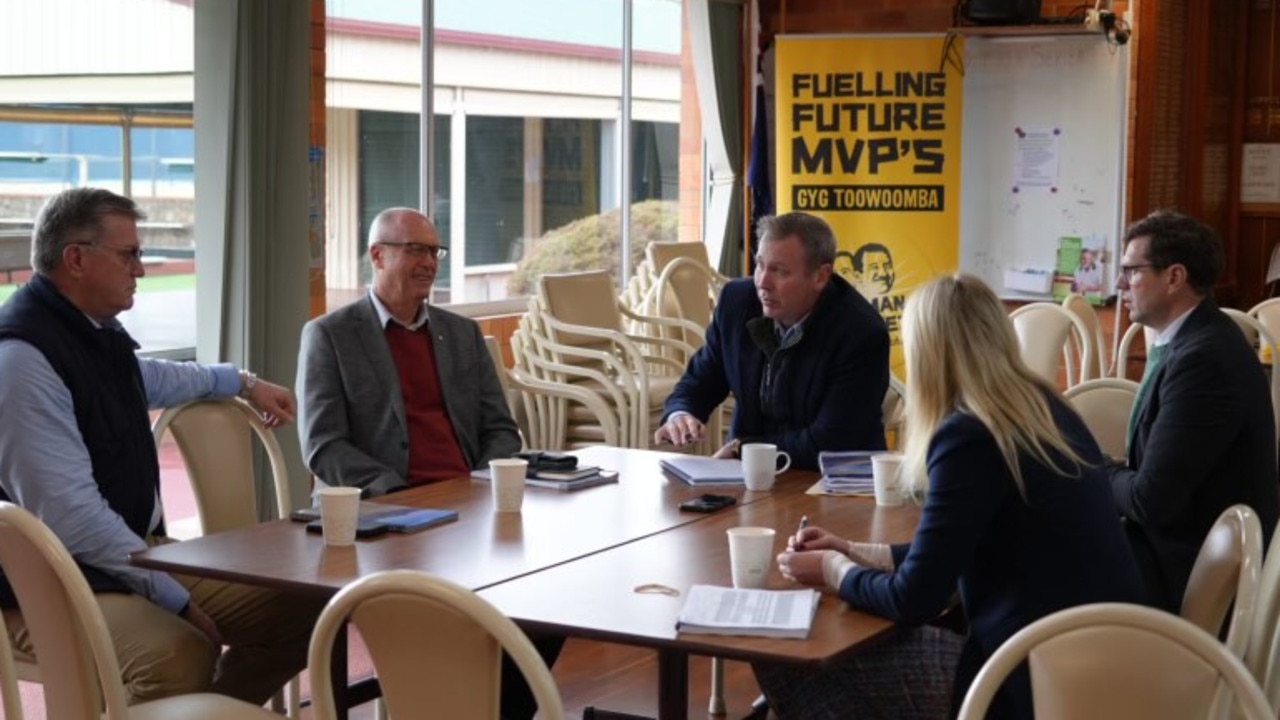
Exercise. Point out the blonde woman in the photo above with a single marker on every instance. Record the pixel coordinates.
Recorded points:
(1017, 515)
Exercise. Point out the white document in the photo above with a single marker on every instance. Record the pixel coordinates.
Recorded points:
(1260, 173)
(1036, 158)
(714, 610)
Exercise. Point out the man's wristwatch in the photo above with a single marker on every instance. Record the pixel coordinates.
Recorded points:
(248, 381)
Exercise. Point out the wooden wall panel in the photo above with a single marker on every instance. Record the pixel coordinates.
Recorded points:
(1260, 224)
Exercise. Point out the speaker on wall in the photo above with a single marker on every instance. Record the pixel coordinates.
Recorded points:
(1001, 12)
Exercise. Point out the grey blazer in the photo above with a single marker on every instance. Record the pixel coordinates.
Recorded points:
(351, 417)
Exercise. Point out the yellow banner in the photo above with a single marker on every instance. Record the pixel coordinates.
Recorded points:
(868, 135)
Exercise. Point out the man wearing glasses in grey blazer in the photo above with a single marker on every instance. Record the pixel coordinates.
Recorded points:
(394, 392)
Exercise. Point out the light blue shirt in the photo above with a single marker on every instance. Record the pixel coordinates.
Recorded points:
(45, 466)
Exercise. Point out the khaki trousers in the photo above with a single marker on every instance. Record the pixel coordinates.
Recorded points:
(266, 634)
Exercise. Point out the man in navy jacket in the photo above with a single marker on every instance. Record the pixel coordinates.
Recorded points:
(804, 354)
(1202, 436)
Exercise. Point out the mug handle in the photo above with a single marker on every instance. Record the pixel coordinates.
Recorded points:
(785, 466)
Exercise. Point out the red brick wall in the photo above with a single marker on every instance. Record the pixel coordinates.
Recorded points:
(317, 141)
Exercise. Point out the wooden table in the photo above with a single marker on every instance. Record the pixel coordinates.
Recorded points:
(569, 562)
(482, 548)
(595, 597)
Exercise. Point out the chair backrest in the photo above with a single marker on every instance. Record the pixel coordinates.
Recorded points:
(1077, 305)
(1256, 332)
(1114, 660)
(1044, 331)
(1263, 654)
(1225, 577)
(893, 412)
(583, 298)
(215, 438)
(1121, 369)
(434, 644)
(1267, 313)
(1104, 404)
(78, 663)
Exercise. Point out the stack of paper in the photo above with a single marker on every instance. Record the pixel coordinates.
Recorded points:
(847, 472)
(711, 610)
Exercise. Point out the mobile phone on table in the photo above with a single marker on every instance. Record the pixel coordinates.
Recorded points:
(708, 503)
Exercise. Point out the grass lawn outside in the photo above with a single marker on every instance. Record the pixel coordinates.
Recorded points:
(157, 283)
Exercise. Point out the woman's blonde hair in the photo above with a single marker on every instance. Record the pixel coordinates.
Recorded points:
(962, 355)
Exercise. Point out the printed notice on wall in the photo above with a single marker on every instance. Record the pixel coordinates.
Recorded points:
(1260, 174)
(1035, 162)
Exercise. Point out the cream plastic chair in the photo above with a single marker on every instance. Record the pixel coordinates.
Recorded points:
(1118, 661)
(1257, 333)
(893, 412)
(1225, 577)
(1044, 335)
(1121, 365)
(1105, 404)
(1263, 654)
(1077, 305)
(78, 660)
(435, 645)
(577, 323)
(540, 408)
(1267, 313)
(215, 438)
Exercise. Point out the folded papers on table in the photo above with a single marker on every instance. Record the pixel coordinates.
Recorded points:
(847, 472)
(712, 610)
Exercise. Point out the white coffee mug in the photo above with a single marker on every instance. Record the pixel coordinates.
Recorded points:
(760, 464)
(884, 473)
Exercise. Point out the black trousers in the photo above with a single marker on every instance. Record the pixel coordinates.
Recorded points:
(517, 698)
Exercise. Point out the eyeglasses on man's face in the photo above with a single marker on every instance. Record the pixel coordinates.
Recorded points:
(126, 255)
(1128, 272)
(420, 251)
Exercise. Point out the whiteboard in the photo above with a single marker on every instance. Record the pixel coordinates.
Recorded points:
(1073, 87)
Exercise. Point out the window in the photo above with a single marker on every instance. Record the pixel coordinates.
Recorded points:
(527, 157)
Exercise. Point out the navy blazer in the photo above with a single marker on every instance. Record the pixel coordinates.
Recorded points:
(1204, 440)
(1014, 560)
(825, 392)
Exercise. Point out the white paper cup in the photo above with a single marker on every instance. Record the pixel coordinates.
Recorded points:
(750, 555)
(339, 509)
(884, 472)
(507, 478)
(760, 465)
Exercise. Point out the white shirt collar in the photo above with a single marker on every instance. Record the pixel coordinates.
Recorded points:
(385, 316)
(1169, 333)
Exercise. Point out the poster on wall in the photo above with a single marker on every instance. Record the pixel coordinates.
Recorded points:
(868, 138)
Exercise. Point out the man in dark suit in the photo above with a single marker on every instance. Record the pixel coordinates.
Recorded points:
(395, 392)
(1202, 435)
(804, 354)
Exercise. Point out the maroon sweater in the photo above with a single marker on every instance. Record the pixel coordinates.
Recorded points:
(434, 452)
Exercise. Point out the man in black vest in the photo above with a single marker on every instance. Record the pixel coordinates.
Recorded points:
(76, 450)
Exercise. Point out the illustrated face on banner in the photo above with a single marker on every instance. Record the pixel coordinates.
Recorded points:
(843, 267)
(873, 268)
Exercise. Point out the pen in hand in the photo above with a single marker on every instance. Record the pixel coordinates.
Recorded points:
(804, 523)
